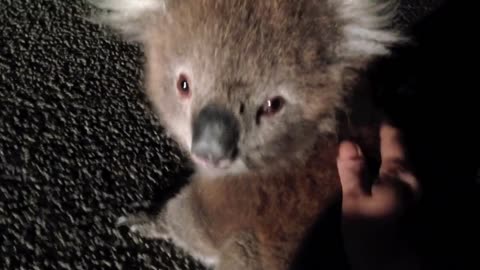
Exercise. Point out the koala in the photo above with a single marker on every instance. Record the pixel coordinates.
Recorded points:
(253, 91)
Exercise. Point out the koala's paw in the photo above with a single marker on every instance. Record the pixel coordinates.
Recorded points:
(144, 225)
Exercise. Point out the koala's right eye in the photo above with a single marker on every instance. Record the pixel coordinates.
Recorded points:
(272, 106)
(183, 86)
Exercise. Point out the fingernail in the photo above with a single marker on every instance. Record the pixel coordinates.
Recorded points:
(350, 150)
(359, 151)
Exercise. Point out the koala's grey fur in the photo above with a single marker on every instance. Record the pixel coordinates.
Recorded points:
(253, 213)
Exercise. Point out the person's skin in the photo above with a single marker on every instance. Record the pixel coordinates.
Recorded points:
(370, 211)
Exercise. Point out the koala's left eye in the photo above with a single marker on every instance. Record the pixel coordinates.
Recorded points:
(272, 106)
(183, 86)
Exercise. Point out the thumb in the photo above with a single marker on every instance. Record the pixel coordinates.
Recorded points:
(351, 166)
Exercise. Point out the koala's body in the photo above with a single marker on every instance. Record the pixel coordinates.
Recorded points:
(251, 89)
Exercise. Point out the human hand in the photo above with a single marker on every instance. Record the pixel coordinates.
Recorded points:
(371, 209)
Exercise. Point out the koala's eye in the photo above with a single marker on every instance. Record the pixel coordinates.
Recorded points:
(272, 106)
(183, 86)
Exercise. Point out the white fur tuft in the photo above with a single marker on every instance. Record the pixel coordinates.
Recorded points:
(128, 16)
(366, 30)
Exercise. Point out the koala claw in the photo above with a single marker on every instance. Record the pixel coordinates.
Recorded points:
(143, 224)
(121, 221)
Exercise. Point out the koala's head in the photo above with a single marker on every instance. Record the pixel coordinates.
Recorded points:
(241, 84)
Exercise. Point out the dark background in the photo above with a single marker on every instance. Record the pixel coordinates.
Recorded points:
(80, 147)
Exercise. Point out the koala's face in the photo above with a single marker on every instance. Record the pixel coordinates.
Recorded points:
(243, 84)
(240, 88)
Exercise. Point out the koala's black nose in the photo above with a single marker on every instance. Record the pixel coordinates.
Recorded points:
(215, 134)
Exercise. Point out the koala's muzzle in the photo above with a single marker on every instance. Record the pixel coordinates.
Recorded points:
(215, 135)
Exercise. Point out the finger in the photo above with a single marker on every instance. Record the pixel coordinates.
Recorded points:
(384, 203)
(387, 200)
(351, 166)
(404, 178)
(394, 163)
(394, 194)
(391, 147)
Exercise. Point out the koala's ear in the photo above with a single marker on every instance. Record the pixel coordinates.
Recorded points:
(368, 28)
(129, 17)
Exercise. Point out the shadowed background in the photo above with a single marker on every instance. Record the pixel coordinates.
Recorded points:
(80, 147)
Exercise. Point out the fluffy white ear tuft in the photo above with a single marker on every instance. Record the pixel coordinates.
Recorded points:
(367, 26)
(128, 16)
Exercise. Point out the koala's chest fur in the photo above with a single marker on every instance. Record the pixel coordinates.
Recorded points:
(278, 197)
(277, 206)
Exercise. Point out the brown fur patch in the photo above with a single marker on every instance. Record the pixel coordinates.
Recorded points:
(279, 204)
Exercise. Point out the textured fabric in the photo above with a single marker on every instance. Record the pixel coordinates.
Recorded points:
(78, 146)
